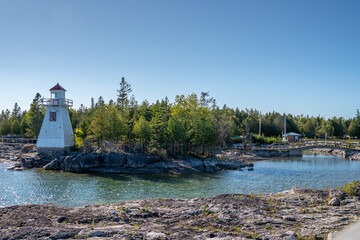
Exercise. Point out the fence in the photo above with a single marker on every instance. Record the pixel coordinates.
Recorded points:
(7, 139)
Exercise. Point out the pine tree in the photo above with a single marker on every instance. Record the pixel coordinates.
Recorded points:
(35, 117)
(354, 128)
(16, 113)
(143, 131)
(123, 93)
(99, 124)
(116, 124)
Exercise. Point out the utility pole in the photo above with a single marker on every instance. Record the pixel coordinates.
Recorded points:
(325, 136)
(260, 126)
(284, 128)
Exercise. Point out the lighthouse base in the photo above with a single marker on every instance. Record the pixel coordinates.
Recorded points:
(52, 153)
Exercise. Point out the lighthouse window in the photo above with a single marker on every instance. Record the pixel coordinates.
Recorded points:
(53, 116)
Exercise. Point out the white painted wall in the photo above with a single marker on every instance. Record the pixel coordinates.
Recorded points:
(56, 134)
(60, 93)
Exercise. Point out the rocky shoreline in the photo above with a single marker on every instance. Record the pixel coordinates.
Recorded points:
(293, 214)
(119, 162)
(355, 156)
(258, 155)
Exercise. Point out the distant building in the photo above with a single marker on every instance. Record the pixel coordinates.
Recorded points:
(292, 137)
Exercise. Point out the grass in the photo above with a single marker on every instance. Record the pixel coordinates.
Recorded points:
(205, 210)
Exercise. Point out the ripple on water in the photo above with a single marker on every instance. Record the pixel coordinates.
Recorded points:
(69, 189)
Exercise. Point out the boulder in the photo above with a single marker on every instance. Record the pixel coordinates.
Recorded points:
(334, 202)
(338, 193)
(30, 161)
(211, 165)
(53, 165)
(289, 218)
(290, 235)
(28, 148)
(83, 162)
(155, 236)
(355, 157)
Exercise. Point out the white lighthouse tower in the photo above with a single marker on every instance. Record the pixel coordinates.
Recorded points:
(56, 134)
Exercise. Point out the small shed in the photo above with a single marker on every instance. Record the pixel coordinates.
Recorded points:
(292, 137)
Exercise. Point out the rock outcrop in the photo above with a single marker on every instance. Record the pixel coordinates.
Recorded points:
(293, 214)
(355, 157)
(125, 162)
(9, 153)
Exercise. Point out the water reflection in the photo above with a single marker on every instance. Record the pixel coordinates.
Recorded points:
(38, 186)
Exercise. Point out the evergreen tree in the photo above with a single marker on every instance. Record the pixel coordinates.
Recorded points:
(35, 117)
(99, 124)
(92, 106)
(24, 124)
(123, 93)
(16, 113)
(310, 128)
(5, 127)
(354, 128)
(143, 131)
(117, 125)
(99, 102)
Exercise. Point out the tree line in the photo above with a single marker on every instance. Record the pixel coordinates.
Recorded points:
(189, 125)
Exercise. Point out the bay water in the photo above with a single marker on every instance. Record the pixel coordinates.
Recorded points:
(36, 186)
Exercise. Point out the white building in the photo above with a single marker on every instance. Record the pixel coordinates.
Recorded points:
(56, 132)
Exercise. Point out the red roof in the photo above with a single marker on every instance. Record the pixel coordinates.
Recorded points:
(57, 87)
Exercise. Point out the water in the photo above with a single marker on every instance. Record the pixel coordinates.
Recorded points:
(69, 189)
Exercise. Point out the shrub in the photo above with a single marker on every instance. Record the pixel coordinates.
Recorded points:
(353, 188)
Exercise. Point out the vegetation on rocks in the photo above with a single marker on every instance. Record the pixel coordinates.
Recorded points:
(352, 189)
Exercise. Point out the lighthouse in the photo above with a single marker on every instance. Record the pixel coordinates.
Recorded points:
(56, 135)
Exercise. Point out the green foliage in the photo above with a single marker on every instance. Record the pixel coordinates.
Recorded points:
(5, 127)
(99, 123)
(123, 93)
(354, 128)
(265, 140)
(309, 128)
(79, 140)
(142, 130)
(352, 189)
(35, 117)
(191, 125)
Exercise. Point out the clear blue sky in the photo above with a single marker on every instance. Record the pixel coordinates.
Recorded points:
(299, 57)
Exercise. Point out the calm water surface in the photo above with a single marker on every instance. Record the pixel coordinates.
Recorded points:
(69, 189)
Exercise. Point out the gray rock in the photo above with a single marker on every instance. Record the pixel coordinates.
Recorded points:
(137, 161)
(33, 161)
(115, 160)
(211, 165)
(86, 233)
(289, 235)
(355, 157)
(334, 202)
(155, 236)
(28, 148)
(53, 165)
(338, 193)
(83, 162)
(289, 218)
